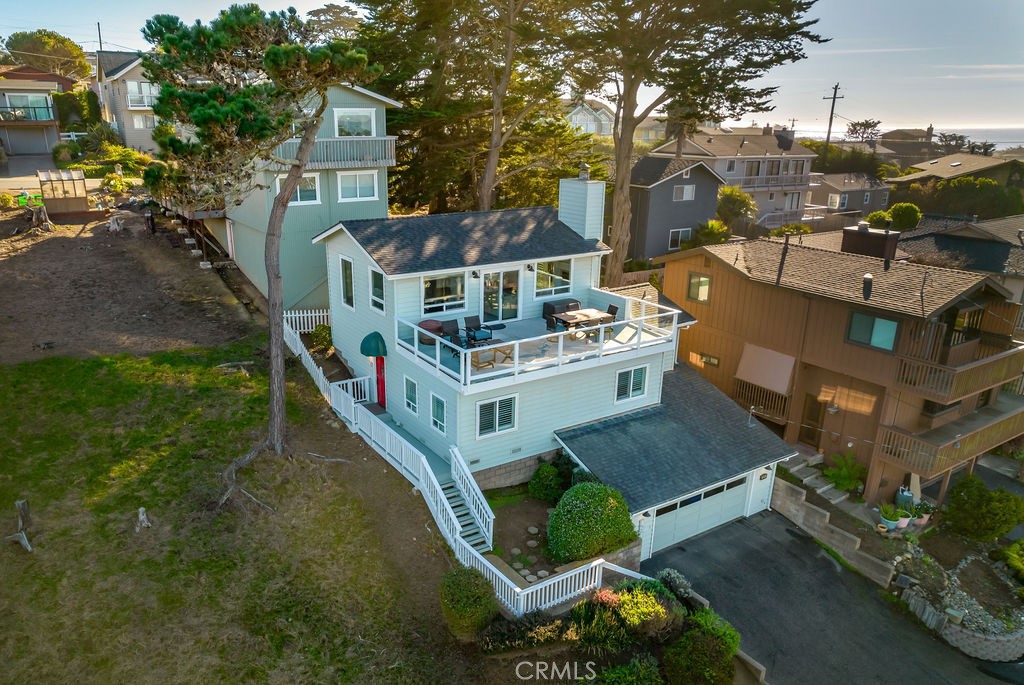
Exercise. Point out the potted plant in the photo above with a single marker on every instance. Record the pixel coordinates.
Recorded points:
(887, 513)
(924, 511)
(904, 517)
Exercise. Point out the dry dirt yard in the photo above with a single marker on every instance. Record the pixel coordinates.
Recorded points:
(81, 290)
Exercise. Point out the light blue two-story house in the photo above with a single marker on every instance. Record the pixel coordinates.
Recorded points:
(346, 179)
(603, 387)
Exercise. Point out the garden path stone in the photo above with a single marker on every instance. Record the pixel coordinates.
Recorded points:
(516, 551)
(542, 574)
(516, 565)
(532, 543)
(533, 530)
(531, 578)
(532, 558)
(524, 572)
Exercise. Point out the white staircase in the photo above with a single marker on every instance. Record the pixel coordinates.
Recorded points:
(471, 532)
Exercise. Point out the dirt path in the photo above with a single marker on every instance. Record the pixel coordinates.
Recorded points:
(81, 290)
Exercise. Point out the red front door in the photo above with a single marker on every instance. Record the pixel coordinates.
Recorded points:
(381, 395)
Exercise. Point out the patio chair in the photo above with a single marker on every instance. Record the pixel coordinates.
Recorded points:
(450, 332)
(613, 311)
(475, 331)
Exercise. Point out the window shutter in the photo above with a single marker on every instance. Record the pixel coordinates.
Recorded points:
(622, 385)
(506, 413)
(487, 418)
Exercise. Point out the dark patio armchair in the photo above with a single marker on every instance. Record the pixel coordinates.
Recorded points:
(450, 331)
(475, 331)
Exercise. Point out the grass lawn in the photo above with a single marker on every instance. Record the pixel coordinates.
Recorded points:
(317, 591)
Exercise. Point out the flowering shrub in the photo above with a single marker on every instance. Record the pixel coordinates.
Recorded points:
(589, 519)
(637, 606)
(606, 597)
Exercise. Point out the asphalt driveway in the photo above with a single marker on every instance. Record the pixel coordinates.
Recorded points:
(806, 618)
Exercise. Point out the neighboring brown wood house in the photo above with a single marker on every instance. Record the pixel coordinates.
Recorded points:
(1005, 172)
(899, 363)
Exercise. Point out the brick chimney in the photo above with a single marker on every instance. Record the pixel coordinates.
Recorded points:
(581, 205)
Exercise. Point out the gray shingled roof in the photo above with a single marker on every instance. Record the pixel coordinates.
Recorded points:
(852, 181)
(111, 61)
(1002, 252)
(466, 240)
(828, 240)
(738, 145)
(951, 166)
(646, 291)
(898, 287)
(649, 170)
(695, 438)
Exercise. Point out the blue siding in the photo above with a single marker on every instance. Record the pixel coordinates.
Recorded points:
(662, 214)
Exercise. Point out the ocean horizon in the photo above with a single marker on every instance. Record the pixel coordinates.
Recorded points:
(1003, 137)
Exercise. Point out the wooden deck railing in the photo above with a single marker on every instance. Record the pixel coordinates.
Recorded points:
(947, 384)
(930, 459)
(767, 403)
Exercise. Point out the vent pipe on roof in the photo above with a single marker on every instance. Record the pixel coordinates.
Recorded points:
(868, 281)
(584, 172)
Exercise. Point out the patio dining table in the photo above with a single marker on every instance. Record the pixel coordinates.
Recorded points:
(584, 317)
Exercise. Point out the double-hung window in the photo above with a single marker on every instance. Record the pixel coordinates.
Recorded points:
(631, 383)
(496, 416)
(699, 288)
(437, 418)
(873, 331)
(377, 289)
(306, 193)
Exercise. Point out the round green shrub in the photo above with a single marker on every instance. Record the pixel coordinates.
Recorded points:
(703, 655)
(546, 484)
(982, 514)
(878, 218)
(676, 583)
(467, 601)
(115, 184)
(642, 670)
(589, 520)
(904, 215)
(66, 152)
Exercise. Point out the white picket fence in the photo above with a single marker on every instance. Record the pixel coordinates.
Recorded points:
(347, 398)
(305, 320)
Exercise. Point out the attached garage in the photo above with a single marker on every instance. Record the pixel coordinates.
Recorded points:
(30, 140)
(688, 465)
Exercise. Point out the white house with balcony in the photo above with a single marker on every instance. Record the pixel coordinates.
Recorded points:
(346, 179)
(126, 97)
(767, 163)
(556, 362)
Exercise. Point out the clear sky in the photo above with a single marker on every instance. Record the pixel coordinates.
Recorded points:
(909, 63)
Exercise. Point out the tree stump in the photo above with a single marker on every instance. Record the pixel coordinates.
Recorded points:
(142, 521)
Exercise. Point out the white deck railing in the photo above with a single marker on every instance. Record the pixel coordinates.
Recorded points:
(645, 324)
(475, 499)
(359, 152)
(345, 398)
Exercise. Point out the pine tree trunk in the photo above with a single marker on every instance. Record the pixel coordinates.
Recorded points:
(619, 232)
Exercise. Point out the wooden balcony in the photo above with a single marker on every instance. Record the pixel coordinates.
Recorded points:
(345, 153)
(932, 452)
(766, 403)
(946, 384)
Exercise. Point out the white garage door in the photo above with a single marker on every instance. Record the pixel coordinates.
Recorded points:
(702, 511)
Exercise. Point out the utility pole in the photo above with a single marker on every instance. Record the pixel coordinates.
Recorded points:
(831, 114)
(792, 123)
(100, 35)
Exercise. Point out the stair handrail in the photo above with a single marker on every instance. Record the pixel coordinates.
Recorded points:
(470, 491)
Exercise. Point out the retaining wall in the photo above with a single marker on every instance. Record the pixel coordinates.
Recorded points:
(972, 643)
(791, 501)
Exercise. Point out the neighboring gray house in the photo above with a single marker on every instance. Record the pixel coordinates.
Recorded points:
(590, 116)
(127, 97)
(849, 192)
(670, 198)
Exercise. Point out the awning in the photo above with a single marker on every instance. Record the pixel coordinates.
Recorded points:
(373, 346)
(766, 368)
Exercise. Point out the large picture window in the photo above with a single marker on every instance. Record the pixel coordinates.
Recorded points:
(356, 186)
(496, 416)
(678, 236)
(444, 293)
(307, 192)
(873, 331)
(354, 122)
(553, 278)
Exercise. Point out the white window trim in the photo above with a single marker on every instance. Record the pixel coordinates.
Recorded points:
(538, 295)
(356, 110)
(446, 310)
(498, 431)
(373, 300)
(867, 198)
(415, 411)
(687, 189)
(630, 370)
(316, 179)
(341, 281)
(730, 166)
(844, 199)
(444, 413)
(686, 173)
(376, 193)
(689, 236)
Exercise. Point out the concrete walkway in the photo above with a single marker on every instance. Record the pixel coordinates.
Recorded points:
(805, 617)
(19, 173)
